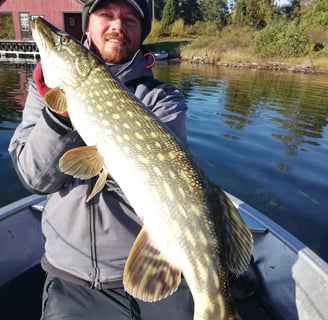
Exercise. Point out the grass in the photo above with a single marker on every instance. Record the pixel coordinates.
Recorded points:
(169, 44)
(230, 45)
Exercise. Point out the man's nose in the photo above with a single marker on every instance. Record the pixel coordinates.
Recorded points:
(116, 25)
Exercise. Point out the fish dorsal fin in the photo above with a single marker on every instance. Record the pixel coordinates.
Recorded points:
(85, 163)
(147, 275)
(235, 235)
(56, 100)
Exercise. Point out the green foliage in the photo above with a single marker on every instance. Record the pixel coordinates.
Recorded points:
(317, 15)
(239, 13)
(232, 44)
(171, 13)
(291, 10)
(6, 27)
(203, 28)
(158, 8)
(215, 11)
(156, 29)
(249, 30)
(191, 12)
(282, 39)
(254, 13)
(178, 28)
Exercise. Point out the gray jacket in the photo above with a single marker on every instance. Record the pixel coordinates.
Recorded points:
(86, 243)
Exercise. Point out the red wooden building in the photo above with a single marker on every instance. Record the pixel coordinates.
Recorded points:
(64, 14)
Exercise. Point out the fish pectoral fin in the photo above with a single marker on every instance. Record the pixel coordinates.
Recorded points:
(82, 162)
(148, 276)
(236, 237)
(56, 100)
(101, 181)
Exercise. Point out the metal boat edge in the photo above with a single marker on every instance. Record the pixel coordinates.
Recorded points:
(293, 279)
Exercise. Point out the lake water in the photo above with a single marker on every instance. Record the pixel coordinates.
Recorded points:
(261, 136)
(13, 83)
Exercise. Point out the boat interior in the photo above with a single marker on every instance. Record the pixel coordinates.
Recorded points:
(293, 281)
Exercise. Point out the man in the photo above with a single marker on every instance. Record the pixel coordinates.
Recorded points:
(86, 244)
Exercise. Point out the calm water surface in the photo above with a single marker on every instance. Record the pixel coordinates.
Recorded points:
(261, 136)
(13, 83)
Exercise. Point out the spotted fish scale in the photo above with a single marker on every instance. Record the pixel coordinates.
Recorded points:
(190, 226)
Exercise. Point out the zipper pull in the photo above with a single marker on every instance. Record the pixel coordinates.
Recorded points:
(96, 284)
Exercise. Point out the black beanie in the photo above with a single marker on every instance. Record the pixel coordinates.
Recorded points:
(141, 7)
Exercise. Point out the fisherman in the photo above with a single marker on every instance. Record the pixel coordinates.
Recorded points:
(87, 244)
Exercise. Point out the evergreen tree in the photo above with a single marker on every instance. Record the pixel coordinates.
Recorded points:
(255, 13)
(158, 8)
(190, 11)
(239, 13)
(215, 11)
(171, 13)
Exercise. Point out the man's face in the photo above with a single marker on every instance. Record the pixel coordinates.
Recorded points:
(114, 31)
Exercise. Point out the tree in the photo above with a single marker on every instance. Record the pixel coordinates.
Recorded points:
(158, 8)
(290, 10)
(215, 11)
(171, 13)
(6, 26)
(190, 11)
(255, 13)
(315, 15)
(240, 13)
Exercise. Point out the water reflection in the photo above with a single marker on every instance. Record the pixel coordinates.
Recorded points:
(263, 137)
(296, 102)
(13, 84)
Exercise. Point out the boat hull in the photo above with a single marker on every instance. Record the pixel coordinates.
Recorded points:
(293, 279)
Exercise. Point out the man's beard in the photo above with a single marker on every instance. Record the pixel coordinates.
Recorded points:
(116, 55)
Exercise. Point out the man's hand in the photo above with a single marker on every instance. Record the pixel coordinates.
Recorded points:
(39, 80)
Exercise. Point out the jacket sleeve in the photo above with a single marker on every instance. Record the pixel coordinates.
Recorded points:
(169, 105)
(38, 143)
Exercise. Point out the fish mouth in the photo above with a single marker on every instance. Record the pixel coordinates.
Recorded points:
(45, 35)
(48, 38)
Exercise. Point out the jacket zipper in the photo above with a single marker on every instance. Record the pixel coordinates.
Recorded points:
(93, 246)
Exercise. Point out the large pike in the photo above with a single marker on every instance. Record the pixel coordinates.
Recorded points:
(190, 226)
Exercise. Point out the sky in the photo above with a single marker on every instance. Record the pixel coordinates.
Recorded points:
(281, 2)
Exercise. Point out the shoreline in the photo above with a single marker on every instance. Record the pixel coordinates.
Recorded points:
(306, 67)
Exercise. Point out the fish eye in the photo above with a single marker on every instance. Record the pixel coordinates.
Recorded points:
(64, 39)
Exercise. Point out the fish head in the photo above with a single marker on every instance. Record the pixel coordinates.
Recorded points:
(65, 63)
